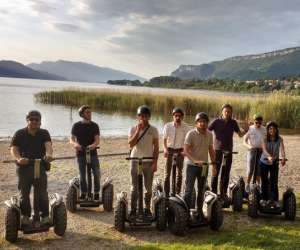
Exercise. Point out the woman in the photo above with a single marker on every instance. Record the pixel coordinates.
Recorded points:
(273, 146)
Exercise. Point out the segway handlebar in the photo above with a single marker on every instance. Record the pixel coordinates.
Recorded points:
(227, 152)
(277, 160)
(139, 158)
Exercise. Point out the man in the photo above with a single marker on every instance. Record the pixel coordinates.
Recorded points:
(197, 145)
(174, 134)
(143, 142)
(32, 142)
(223, 129)
(253, 140)
(85, 135)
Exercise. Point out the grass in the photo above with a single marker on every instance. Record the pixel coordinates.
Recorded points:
(279, 106)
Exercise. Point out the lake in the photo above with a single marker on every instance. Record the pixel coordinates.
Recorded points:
(17, 98)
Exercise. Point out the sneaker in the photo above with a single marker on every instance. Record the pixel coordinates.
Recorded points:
(25, 220)
(147, 212)
(82, 196)
(96, 196)
(45, 220)
(247, 188)
(263, 203)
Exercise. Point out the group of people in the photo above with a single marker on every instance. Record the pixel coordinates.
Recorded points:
(194, 145)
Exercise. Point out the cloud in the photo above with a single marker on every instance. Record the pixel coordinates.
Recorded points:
(66, 27)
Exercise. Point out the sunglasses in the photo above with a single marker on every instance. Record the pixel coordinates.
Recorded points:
(34, 119)
(258, 122)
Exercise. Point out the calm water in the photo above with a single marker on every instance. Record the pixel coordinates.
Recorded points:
(16, 98)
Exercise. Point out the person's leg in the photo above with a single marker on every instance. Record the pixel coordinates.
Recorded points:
(43, 199)
(274, 181)
(134, 179)
(25, 181)
(250, 165)
(225, 174)
(216, 171)
(189, 184)
(168, 168)
(259, 152)
(264, 180)
(201, 180)
(148, 180)
(82, 172)
(96, 173)
(180, 159)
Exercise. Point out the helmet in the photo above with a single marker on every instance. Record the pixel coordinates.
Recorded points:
(226, 105)
(257, 116)
(272, 124)
(82, 109)
(201, 115)
(33, 113)
(143, 110)
(178, 110)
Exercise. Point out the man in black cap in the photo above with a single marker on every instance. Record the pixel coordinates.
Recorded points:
(32, 142)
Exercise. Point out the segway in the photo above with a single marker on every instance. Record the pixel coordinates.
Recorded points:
(140, 219)
(235, 194)
(73, 194)
(181, 217)
(287, 206)
(58, 213)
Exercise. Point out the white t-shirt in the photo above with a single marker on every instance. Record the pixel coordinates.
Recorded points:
(175, 135)
(144, 148)
(255, 136)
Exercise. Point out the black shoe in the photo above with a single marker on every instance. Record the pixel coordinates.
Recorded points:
(147, 212)
(82, 196)
(132, 214)
(90, 196)
(96, 196)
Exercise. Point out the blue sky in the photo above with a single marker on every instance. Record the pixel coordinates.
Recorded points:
(145, 37)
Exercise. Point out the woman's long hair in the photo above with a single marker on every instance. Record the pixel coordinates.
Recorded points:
(274, 125)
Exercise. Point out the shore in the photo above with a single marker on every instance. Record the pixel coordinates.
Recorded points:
(80, 224)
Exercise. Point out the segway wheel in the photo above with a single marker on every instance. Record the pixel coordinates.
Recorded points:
(217, 217)
(237, 200)
(60, 219)
(120, 216)
(71, 199)
(12, 222)
(108, 197)
(290, 207)
(161, 215)
(253, 204)
(177, 219)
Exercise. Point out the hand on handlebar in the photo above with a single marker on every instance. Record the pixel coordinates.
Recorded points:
(283, 161)
(48, 158)
(78, 147)
(23, 161)
(92, 147)
(166, 153)
(199, 163)
(270, 159)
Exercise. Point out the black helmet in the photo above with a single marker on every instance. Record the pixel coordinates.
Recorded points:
(143, 110)
(227, 105)
(201, 115)
(82, 109)
(178, 110)
(33, 113)
(272, 124)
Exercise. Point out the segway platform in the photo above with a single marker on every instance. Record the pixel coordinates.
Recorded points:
(31, 229)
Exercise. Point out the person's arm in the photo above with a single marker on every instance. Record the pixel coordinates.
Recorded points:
(212, 153)
(134, 135)
(49, 151)
(245, 141)
(155, 154)
(15, 153)
(282, 149)
(166, 152)
(187, 150)
(74, 143)
(96, 142)
(265, 151)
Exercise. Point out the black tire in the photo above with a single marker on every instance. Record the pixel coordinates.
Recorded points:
(12, 222)
(71, 199)
(108, 198)
(253, 204)
(217, 217)
(60, 219)
(290, 207)
(161, 215)
(120, 216)
(177, 219)
(237, 200)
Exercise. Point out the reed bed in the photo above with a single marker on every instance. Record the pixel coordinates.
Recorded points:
(279, 106)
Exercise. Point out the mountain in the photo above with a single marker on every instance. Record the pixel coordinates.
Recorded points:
(18, 70)
(276, 64)
(83, 72)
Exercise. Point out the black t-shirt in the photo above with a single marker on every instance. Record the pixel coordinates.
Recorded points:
(223, 132)
(85, 134)
(31, 146)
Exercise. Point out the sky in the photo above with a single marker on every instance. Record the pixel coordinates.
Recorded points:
(145, 37)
